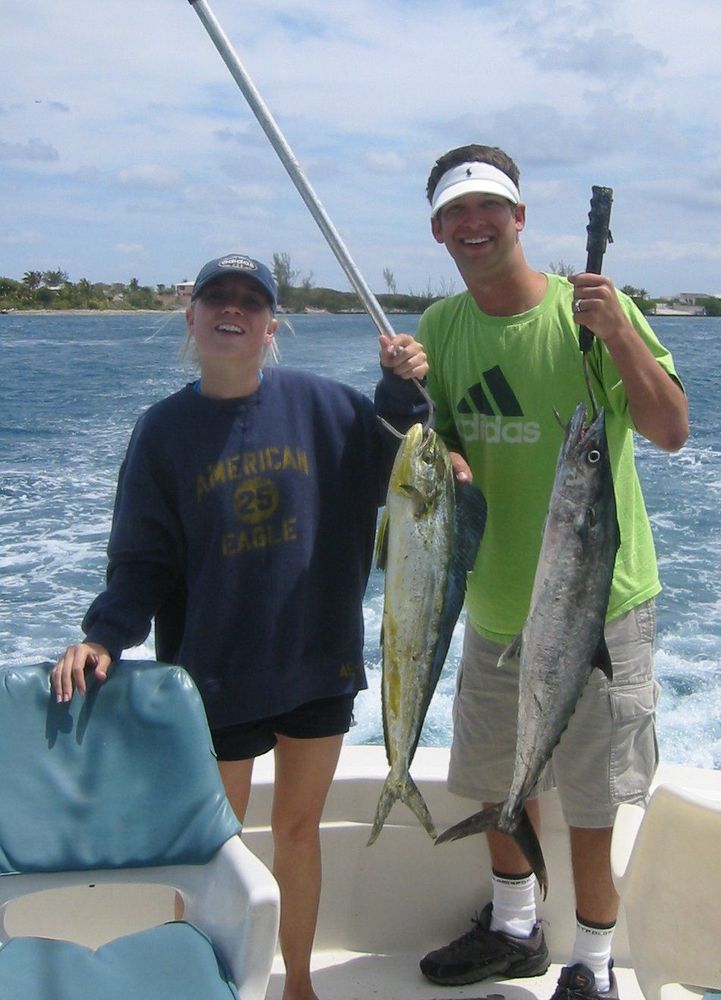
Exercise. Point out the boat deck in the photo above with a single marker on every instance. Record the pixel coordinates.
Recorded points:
(383, 907)
(350, 976)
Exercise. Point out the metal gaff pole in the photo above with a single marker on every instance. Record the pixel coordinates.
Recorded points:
(269, 126)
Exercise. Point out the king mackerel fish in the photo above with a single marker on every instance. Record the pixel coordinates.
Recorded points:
(427, 543)
(563, 636)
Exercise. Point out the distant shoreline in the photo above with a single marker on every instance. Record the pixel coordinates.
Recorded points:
(91, 312)
(664, 313)
(173, 312)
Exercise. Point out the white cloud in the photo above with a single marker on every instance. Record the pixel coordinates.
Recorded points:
(150, 175)
(385, 162)
(33, 149)
(602, 53)
(130, 249)
(129, 131)
(20, 238)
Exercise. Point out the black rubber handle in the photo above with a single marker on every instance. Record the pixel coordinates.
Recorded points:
(599, 236)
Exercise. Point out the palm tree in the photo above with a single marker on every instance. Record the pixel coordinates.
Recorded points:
(54, 278)
(33, 280)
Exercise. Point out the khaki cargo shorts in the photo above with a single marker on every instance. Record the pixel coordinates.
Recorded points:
(607, 755)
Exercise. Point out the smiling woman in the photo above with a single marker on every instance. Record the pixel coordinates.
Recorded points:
(243, 528)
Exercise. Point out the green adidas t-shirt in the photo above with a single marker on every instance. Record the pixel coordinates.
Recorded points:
(496, 381)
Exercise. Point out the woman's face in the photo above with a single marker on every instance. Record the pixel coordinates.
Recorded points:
(231, 320)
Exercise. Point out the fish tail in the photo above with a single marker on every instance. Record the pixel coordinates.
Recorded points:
(525, 836)
(407, 791)
(521, 829)
(486, 819)
(410, 794)
(389, 794)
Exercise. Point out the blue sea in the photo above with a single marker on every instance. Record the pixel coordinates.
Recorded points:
(74, 384)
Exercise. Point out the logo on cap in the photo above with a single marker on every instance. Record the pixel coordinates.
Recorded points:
(238, 262)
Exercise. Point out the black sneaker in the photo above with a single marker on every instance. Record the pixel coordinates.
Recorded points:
(577, 982)
(481, 953)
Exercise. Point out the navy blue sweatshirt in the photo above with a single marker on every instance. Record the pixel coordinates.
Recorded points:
(246, 528)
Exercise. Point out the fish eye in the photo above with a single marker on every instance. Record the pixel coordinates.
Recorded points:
(594, 456)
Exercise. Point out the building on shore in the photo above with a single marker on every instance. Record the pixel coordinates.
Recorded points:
(683, 304)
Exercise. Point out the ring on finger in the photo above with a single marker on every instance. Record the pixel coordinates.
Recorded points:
(577, 306)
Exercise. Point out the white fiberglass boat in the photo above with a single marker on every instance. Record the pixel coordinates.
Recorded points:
(384, 906)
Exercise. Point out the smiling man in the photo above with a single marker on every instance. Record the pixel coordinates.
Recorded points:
(502, 356)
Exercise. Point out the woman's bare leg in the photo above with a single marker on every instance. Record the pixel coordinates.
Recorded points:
(304, 770)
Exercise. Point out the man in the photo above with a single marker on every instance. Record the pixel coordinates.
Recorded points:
(502, 356)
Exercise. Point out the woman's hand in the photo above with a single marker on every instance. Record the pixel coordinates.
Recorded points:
(68, 673)
(403, 355)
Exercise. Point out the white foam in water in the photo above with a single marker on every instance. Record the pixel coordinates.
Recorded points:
(60, 450)
(690, 703)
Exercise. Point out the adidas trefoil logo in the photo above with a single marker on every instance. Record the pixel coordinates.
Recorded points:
(490, 412)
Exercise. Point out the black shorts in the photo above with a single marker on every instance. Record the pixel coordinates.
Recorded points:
(314, 720)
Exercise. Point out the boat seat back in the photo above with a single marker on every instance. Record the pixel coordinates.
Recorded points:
(670, 887)
(121, 778)
(120, 789)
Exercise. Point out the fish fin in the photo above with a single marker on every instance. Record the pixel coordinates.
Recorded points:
(388, 796)
(407, 791)
(602, 658)
(521, 829)
(469, 522)
(525, 836)
(384, 716)
(512, 650)
(382, 541)
(411, 795)
(418, 499)
(486, 819)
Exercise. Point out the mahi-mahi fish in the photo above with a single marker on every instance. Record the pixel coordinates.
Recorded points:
(427, 543)
(563, 637)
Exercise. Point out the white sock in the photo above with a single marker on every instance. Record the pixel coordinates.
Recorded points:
(592, 947)
(514, 904)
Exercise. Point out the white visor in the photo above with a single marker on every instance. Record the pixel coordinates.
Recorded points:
(473, 178)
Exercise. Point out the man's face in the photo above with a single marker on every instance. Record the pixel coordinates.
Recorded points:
(477, 229)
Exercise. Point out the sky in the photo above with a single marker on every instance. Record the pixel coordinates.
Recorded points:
(128, 151)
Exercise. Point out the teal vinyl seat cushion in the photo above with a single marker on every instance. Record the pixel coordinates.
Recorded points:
(122, 786)
(96, 782)
(175, 961)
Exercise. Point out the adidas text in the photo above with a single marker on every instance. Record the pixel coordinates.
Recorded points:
(493, 430)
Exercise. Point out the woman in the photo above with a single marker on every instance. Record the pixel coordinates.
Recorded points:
(244, 523)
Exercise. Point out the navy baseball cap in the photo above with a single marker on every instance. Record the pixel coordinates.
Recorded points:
(237, 263)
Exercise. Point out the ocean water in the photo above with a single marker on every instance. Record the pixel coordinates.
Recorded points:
(73, 386)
